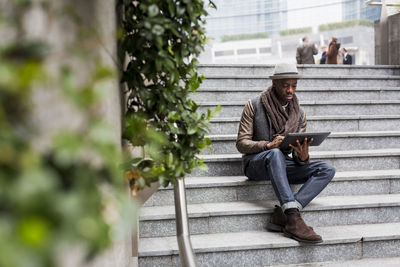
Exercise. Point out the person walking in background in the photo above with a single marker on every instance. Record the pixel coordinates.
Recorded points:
(347, 59)
(324, 48)
(333, 50)
(305, 52)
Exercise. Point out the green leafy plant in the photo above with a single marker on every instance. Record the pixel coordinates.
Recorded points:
(345, 24)
(244, 36)
(296, 31)
(162, 39)
(62, 196)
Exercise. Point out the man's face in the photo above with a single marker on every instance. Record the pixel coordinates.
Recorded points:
(285, 89)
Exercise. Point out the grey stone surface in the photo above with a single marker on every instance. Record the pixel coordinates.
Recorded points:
(395, 187)
(240, 189)
(250, 216)
(379, 249)
(259, 70)
(168, 227)
(363, 187)
(330, 144)
(221, 96)
(160, 261)
(322, 123)
(194, 195)
(316, 253)
(166, 197)
(387, 262)
(256, 192)
(352, 216)
(238, 223)
(362, 198)
(230, 164)
(222, 242)
(308, 81)
(259, 257)
(381, 107)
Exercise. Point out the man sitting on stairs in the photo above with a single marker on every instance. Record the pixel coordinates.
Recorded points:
(265, 121)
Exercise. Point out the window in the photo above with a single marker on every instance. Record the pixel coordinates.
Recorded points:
(246, 51)
(265, 50)
(223, 53)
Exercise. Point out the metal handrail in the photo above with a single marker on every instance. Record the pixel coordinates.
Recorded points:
(186, 253)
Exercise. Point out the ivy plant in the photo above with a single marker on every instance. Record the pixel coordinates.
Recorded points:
(162, 40)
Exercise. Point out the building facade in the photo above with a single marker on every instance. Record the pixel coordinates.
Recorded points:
(256, 16)
(357, 9)
(251, 16)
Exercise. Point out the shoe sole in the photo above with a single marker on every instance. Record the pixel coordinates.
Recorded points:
(287, 234)
(274, 227)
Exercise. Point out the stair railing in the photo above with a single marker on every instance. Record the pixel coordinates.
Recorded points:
(186, 253)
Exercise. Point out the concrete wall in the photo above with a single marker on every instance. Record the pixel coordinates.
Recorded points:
(394, 39)
(393, 48)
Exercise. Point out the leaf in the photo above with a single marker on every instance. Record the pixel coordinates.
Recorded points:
(153, 10)
(192, 130)
(202, 167)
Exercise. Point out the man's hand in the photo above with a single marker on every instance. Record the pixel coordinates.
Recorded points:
(276, 142)
(302, 149)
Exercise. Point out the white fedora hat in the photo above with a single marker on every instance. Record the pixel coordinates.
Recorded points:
(285, 71)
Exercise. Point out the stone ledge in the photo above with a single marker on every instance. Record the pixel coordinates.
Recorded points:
(213, 181)
(203, 210)
(232, 137)
(315, 155)
(251, 240)
(326, 117)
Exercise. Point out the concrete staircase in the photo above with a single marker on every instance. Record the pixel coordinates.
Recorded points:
(358, 214)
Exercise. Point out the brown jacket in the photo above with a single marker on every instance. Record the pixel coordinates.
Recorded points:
(245, 143)
(332, 53)
(305, 52)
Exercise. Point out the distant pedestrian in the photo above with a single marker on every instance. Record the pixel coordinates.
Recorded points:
(333, 50)
(347, 59)
(305, 52)
(324, 48)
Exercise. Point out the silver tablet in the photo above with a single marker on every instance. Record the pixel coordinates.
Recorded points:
(293, 137)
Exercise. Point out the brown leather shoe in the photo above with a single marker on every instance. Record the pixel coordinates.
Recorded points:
(277, 221)
(297, 229)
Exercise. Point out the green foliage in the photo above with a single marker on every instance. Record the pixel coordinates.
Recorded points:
(304, 30)
(62, 196)
(162, 39)
(244, 36)
(345, 24)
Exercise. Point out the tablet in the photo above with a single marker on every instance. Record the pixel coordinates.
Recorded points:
(292, 137)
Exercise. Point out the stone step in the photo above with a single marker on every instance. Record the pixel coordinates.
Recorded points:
(306, 81)
(237, 216)
(367, 262)
(317, 108)
(334, 123)
(350, 160)
(262, 248)
(267, 70)
(239, 188)
(226, 144)
(309, 94)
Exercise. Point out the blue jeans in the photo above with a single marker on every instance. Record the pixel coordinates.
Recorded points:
(272, 165)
